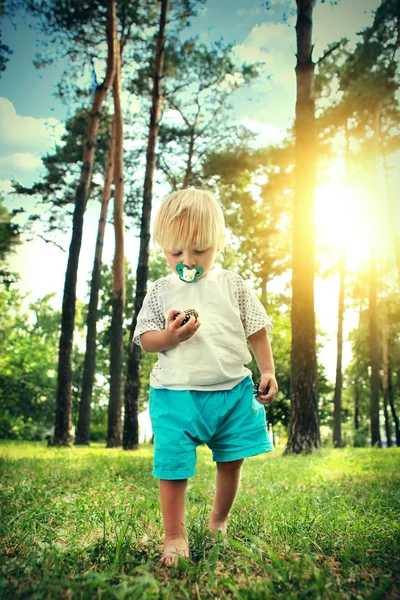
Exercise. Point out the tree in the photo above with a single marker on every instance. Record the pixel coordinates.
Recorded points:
(132, 386)
(63, 403)
(197, 114)
(116, 347)
(337, 399)
(304, 427)
(369, 78)
(83, 426)
(257, 249)
(28, 353)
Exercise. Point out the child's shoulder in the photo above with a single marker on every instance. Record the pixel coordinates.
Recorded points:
(230, 276)
(158, 284)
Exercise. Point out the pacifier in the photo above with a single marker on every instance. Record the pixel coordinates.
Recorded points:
(189, 274)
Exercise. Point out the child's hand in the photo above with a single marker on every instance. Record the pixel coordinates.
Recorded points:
(176, 332)
(268, 388)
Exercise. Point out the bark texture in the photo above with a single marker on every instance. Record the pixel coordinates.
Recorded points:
(114, 435)
(189, 162)
(393, 408)
(372, 307)
(83, 427)
(64, 379)
(385, 379)
(373, 355)
(337, 400)
(304, 433)
(132, 386)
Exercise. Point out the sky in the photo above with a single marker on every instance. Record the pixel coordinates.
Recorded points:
(32, 120)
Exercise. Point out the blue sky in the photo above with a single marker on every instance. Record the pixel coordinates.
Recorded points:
(32, 119)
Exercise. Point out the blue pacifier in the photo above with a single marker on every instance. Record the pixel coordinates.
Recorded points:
(189, 274)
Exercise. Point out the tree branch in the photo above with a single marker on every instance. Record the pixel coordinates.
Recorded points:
(328, 52)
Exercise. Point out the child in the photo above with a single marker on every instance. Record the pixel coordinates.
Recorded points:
(200, 391)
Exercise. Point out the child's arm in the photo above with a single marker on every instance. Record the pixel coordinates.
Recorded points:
(260, 344)
(174, 334)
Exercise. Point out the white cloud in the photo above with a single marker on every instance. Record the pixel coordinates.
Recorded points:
(5, 186)
(24, 141)
(248, 12)
(267, 132)
(270, 43)
(273, 94)
(24, 134)
(18, 161)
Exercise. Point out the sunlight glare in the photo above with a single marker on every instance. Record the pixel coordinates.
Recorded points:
(343, 220)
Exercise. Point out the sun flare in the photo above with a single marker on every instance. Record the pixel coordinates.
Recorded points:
(346, 218)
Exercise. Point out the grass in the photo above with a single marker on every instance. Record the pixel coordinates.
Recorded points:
(85, 523)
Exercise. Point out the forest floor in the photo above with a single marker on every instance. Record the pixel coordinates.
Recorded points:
(85, 523)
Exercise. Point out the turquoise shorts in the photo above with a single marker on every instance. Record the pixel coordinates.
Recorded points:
(231, 422)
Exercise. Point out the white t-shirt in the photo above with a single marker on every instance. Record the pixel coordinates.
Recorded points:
(214, 358)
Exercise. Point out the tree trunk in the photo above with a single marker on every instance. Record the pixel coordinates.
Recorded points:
(264, 283)
(356, 408)
(385, 365)
(83, 428)
(132, 386)
(392, 217)
(304, 434)
(64, 380)
(337, 401)
(189, 166)
(374, 355)
(392, 408)
(114, 436)
(372, 309)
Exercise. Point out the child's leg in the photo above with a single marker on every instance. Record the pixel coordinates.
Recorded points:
(172, 495)
(227, 485)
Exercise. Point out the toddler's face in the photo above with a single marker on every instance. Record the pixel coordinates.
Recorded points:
(192, 256)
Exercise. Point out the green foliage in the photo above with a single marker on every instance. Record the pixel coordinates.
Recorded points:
(357, 374)
(158, 268)
(9, 238)
(258, 250)
(28, 362)
(311, 527)
(5, 51)
(357, 85)
(29, 337)
(199, 81)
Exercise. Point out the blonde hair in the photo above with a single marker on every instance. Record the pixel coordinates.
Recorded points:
(189, 217)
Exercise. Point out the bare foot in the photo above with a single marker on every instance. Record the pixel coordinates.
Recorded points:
(173, 548)
(215, 525)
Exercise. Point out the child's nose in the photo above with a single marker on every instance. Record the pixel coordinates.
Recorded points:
(189, 259)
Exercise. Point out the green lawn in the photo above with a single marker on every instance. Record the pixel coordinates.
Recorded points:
(85, 523)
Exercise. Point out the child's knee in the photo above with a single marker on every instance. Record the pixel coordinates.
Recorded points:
(232, 466)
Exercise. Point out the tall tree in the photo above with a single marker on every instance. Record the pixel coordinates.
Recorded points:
(132, 387)
(64, 379)
(385, 365)
(304, 427)
(83, 426)
(337, 399)
(116, 347)
(370, 77)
